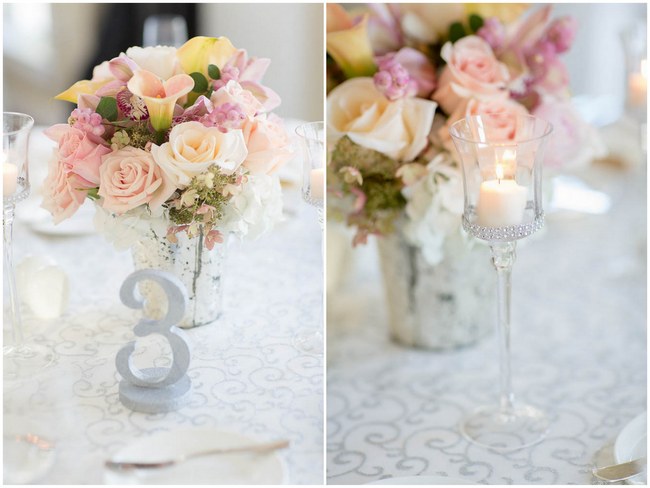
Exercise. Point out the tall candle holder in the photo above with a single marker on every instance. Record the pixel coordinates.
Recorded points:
(312, 154)
(502, 182)
(21, 358)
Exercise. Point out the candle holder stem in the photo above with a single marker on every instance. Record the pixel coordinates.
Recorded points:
(503, 257)
(9, 211)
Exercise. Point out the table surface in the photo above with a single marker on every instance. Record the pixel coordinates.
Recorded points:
(579, 353)
(249, 375)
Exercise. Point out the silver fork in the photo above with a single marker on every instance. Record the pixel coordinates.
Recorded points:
(257, 448)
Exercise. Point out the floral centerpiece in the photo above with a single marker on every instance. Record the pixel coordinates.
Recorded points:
(176, 147)
(398, 76)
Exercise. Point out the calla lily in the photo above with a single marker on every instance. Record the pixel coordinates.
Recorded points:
(505, 12)
(87, 87)
(351, 49)
(160, 97)
(199, 52)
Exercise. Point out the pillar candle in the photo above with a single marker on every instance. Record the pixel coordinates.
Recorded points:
(10, 179)
(637, 86)
(501, 202)
(317, 183)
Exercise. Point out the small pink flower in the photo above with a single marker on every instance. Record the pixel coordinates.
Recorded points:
(213, 237)
(79, 152)
(63, 192)
(562, 32)
(225, 117)
(493, 32)
(393, 80)
(87, 120)
(130, 178)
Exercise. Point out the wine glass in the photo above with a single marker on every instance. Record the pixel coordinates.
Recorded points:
(312, 150)
(503, 203)
(164, 30)
(22, 358)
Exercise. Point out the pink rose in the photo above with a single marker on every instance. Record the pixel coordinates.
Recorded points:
(573, 143)
(472, 70)
(131, 178)
(234, 93)
(79, 152)
(267, 143)
(63, 192)
(500, 114)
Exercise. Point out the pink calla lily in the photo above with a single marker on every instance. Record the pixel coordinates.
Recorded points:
(160, 96)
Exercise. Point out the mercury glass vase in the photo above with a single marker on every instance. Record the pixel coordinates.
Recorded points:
(436, 306)
(199, 269)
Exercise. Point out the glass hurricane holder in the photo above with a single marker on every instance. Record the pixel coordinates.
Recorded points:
(312, 150)
(21, 357)
(503, 203)
(634, 39)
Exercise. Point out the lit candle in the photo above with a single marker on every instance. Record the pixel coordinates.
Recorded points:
(317, 184)
(10, 179)
(638, 86)
(501, 202)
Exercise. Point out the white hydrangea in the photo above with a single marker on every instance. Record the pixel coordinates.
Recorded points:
(256, 209)
(125, 230)
(434, 207)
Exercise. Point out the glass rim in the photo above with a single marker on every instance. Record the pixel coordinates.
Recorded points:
(301, 131)
(29, 123)
(547, 131)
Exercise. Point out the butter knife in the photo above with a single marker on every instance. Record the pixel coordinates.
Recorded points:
(255, 448)
(623, 471)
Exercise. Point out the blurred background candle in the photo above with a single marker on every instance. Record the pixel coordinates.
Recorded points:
(501, 201)
(317, 183)
(638, 86)
(10, 178)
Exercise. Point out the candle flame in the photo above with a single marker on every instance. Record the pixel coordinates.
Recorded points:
(499, 171)
(644, 68)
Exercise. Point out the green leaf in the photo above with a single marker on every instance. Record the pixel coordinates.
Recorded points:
(93, 193)
(214, 72)
(200, 83)
(107, 108)
(456, 31)
(475, 22)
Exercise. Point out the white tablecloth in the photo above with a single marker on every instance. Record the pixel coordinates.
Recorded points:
(579, 353)
(249, 375)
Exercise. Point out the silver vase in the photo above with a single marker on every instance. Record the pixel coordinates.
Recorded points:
(441, 307)
(200, 270)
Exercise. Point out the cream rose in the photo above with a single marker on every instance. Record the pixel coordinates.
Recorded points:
(130, 178)
(193, 148)
(472, 70)
(397, 129)
(160, 60)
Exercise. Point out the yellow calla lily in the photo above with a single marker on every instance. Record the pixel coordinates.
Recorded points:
(505, 12)
(199, 52)
(351, 50)
(159, 96)
(87, 87)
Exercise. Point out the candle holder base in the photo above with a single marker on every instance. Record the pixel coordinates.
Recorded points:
(505, 430)
(26, 360)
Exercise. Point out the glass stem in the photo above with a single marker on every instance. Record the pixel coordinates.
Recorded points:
(503, 257)
(8, 224)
